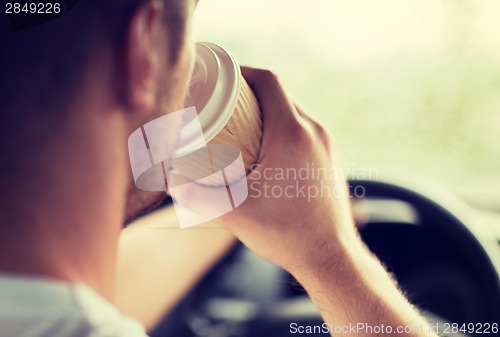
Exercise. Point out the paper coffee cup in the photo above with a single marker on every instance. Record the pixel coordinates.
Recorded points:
(228, 113)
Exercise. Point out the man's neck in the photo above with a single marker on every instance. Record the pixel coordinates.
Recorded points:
(63, 217)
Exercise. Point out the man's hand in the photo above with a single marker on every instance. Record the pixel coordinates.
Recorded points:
(297, 230)
(313, 237)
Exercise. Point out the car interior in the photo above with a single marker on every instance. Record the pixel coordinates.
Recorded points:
(409, 90)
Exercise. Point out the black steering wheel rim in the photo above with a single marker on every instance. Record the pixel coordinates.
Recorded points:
(455, 218)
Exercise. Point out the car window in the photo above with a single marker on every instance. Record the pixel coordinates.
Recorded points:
(412, 85)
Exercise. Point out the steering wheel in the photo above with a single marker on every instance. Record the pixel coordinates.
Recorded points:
(458, 224)
(456, 258)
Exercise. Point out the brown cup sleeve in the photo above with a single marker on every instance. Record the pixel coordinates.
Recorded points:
(244, 129)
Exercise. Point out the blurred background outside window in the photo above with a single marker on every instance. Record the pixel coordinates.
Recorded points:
(412, 85)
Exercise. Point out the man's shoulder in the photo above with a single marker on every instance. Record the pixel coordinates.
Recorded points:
(41, 307)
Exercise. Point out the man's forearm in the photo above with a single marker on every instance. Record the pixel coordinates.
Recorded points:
(351, 288)
(158, 266)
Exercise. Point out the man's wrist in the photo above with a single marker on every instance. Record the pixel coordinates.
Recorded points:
(350, 285)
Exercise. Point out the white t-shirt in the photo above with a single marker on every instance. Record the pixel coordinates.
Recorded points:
(38, 307)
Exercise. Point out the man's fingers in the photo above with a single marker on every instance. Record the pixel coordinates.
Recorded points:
(274, 102)
(322, 133)
(282, 124)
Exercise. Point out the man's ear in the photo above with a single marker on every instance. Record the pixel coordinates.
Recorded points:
(144, 55)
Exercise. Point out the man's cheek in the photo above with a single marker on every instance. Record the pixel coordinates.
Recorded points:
(140, 202)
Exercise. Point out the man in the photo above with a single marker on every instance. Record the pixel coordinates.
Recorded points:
(73, 90)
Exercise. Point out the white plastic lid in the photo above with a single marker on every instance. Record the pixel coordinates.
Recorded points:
(214, 90)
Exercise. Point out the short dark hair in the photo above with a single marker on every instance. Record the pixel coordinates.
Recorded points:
(41, 68)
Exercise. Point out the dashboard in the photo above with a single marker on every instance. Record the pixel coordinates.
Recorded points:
(436, 249)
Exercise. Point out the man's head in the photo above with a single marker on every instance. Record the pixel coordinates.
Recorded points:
(97, 73)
